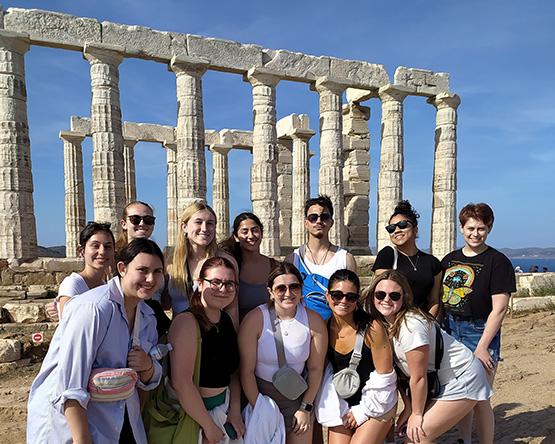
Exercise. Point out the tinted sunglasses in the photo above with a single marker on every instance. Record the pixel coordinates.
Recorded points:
(281, 289)
(136, 220)
(337, 296)
(394, 295)
(402, 224)
(313, 217)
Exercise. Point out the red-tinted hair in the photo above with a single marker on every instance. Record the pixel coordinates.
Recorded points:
(479, 211)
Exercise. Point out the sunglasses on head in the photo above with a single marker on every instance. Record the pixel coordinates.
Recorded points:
(337, 296)
(402, 225)
(313, 217)
(394, 295)
(136, 220)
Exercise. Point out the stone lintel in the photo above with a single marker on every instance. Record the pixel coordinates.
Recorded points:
(193, 66)
(335, 85)
(423, 82)
(394, 92)
(15, 41)
(297, 66)
(72, 137)
(445, 99)
(102, 53)
(148, 132)
(262, 76)
(360, 95)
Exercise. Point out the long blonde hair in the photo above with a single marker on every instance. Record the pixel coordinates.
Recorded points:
(178, 269)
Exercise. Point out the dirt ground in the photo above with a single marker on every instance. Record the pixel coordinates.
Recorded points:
(524, 400)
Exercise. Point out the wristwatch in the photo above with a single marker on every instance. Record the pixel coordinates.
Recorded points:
(306, 406)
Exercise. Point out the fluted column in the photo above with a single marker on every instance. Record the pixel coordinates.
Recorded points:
(284, 169)
(330, 181)
(356, 176)
(106, 127)
(171, 196)
(129, 170)
(444, 205)
(191, 163)
(74, 190)
(390, 178)
(264, 157)
(220, 189)
(301, 183)
(18, 235)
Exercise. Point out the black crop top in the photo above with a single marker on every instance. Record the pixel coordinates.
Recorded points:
(340, 361)
(219, 354)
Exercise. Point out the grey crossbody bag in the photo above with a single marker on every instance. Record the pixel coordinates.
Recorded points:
(347, 381)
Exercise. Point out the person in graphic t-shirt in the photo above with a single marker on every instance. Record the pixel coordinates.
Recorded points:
(318, 259)
(477, 284)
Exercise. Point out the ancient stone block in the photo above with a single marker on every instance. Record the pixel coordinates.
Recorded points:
(424, 82)
(10, 350)
(295, 65)
(225, 55)
(178, 44)
(362, 75)
(147, 132)
(53, 28)
(138, 41)
(66, 265)
(26, 312)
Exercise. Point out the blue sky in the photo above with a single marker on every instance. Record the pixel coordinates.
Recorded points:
(499, 54)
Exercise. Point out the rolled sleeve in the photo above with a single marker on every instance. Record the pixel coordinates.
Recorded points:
(155, 380)
(81, 396)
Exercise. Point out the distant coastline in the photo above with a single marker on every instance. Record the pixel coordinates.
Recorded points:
(529, 253)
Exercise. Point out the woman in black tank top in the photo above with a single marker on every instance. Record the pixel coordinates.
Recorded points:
(347, 320)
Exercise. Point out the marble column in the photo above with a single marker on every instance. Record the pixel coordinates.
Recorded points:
(284, 169)
(191, 163)
(356, 176)
(173, 213)
(107, 134)
(300, 184)
(444, 205)
(220, 189)
(264, 157)
(390, 178)
(74, 190)
(18, 235)
(129, 170)
(330, 181)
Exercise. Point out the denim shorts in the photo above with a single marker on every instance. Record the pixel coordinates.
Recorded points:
(469, 332)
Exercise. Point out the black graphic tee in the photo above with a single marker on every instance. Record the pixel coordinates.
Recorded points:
(469, 282)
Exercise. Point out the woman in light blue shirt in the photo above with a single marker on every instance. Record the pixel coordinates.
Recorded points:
(97, 333)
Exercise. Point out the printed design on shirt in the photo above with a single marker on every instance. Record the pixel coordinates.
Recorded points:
(457, 283)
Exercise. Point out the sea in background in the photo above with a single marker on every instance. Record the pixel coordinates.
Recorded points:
(527, 263)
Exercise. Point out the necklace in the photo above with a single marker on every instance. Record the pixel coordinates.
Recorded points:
(314, 258)
(415, 263)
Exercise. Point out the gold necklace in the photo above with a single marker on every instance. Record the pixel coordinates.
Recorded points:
(314, 258)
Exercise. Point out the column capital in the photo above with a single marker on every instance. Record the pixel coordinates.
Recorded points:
(324, 84)
(302, 134)
(262, 76)
(72, 137)
(170, 144)
(357, 95)
(130, 143)
(15, 41)
(103, 53)
(445, 100)
(395, 93)
(358, 110)
(220, 148)
(192, 66)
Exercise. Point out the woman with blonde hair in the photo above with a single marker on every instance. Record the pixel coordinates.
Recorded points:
(196, 242)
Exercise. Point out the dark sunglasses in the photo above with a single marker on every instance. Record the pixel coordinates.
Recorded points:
(402, 224)
(312, 218)
(394, 295)
(281, 289)
(136, 220)
(337, 296)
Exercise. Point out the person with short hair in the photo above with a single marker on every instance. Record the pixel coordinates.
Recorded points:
(477, 284)
(318, 259)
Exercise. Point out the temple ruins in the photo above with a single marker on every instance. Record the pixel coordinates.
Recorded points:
(279, 172)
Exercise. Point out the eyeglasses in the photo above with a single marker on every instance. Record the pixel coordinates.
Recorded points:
(394, 295)
(402, 225)
(218, 284)
(136, 220)
(313, 217)
(337, 296)
(281, 289)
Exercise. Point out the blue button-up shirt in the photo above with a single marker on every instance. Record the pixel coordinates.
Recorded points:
(93, 333)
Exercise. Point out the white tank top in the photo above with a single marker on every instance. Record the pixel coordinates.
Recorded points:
(337, 262)
(296, 342)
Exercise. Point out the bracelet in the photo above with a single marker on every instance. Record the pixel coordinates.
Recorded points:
(150, 368)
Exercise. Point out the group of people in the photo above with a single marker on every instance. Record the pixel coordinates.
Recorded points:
(262, 351)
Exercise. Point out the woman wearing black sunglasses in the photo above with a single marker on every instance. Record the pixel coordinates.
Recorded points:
(137, 221)
(422, 270)
(348, 320)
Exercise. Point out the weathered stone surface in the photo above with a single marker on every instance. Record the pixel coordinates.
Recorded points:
(178, 44)
(359, 95)
(53, 28)
(220, 189)
(138, 41)
(361, 75)
(296, 65)
(225, 55)
(26, 312)
(422, 81)
(66, 265)
(147, 132)
(10, 350)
